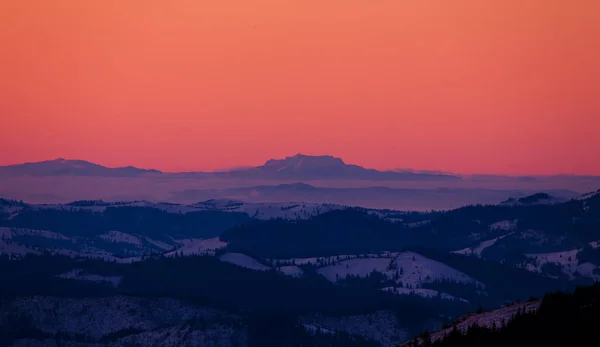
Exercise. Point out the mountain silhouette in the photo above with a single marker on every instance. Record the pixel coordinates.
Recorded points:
(64, 167)
(298, 167)
(326, 167)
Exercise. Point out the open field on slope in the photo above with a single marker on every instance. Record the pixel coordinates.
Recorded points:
(568, 262)
(409, 268)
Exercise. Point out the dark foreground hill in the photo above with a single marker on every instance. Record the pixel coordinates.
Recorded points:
(562, 319)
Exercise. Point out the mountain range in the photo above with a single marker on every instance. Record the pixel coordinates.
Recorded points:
(314, 179)
(297, 167)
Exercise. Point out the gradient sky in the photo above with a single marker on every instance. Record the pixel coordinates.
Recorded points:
(472, 86)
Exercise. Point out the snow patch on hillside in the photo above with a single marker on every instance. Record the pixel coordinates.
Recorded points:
(10, 247)
(567, 260)
(476, 250)
(418, 269)
(153, 321)
(486, 319)
(381, 326)
(505, 225)
(243, 260)
(79, 275)
(9, 233)
(314, 329)
(5, 233)
(89, 252)
(291, 270)
(355, 267)
(417, 224)
(197, 247)
(291, 210)
(159, 244)
(14, 249)
(117, 236)
(285, 210)
(427, 293)
(323, 261)
(587, 195)
(302, 261)
(409, 268)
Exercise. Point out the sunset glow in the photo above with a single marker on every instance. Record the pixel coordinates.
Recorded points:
(471, 86)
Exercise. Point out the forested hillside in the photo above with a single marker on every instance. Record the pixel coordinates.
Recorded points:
(562, 319)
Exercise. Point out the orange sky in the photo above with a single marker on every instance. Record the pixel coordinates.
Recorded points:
(495, 86)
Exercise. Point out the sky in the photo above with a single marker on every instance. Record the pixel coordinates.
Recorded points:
(470, 86)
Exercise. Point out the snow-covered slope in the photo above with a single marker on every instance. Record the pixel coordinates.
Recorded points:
(381, 326)
(426, 293)
(409, 268)
(504, 225)
(78, 274)
(567, 262)
(16, 250)
(291, 270)
(117, 236)
(476, 250)
(197, 247)
(112, 246)
(9, 233)
(125, 321)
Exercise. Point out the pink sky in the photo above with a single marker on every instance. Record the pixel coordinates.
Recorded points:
(496, 86)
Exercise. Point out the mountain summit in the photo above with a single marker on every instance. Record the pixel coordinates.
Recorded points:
(301, 162)
(326, 167)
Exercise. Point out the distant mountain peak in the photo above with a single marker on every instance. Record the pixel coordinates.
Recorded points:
(317, 167)
(302, 157)
(301, 162)
(71, 167)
